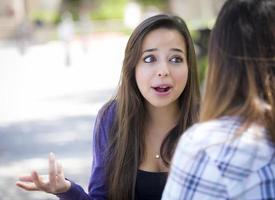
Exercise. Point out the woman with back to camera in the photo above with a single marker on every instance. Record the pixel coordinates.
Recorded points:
(135, 133)
(230, 153)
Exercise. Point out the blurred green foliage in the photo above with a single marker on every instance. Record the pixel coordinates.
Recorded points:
(101, 9)
(109, 9)
(161, 4)
(202, 60)
(47, 16)
(202, 66)
(114, 9)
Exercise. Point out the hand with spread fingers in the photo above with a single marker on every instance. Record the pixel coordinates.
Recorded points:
(55, 184)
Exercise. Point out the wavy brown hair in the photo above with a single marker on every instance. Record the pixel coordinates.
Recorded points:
(126, 140)
(241, 74)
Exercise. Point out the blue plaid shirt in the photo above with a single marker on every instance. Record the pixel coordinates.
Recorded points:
(220, 160)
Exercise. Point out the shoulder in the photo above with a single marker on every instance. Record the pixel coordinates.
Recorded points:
(104, 122)
(106, 115)
(201, 137)
(108, 110)
(211, 132)
(236, 152)
(220, 151)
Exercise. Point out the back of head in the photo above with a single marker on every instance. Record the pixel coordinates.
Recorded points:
(241, 74)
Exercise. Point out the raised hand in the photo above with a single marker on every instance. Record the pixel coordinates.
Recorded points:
(55, 184)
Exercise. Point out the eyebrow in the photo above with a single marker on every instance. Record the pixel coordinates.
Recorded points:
(150, 50)
(178, 50)
(172, 49)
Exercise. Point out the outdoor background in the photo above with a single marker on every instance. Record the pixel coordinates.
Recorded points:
(60, 61)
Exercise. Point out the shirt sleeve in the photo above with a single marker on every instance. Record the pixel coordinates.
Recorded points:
(97, 183)
(193, 174)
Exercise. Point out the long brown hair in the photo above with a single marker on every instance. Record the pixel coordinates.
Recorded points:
(126, 140)
(241, 73)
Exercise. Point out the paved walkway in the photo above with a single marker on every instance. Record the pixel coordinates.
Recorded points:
(48, 106)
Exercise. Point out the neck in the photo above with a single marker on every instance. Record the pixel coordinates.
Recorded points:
(162, 117)
(159, 121)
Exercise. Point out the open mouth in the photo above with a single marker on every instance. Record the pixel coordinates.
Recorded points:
(162, 89)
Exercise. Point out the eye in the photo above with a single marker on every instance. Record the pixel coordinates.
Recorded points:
(149, 59)
(176, 59)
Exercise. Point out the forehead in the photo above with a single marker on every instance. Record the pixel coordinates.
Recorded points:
(163, 37)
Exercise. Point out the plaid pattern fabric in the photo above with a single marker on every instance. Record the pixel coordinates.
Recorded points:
(220, 160)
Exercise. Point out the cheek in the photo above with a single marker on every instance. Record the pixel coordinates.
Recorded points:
(143, 75)
(140, 78)
(181, 78)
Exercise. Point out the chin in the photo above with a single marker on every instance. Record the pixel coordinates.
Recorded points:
(160, 104)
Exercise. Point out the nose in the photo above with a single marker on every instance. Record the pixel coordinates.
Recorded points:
(164, 74)
(163, 71)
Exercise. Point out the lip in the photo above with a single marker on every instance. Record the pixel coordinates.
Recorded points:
(162, 85)
(162, 93)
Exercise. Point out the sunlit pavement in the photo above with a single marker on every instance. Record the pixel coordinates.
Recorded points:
(49, 106)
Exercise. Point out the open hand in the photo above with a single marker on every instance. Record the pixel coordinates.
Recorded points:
(55, 184)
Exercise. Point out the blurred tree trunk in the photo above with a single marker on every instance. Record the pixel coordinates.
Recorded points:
(26, 7)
